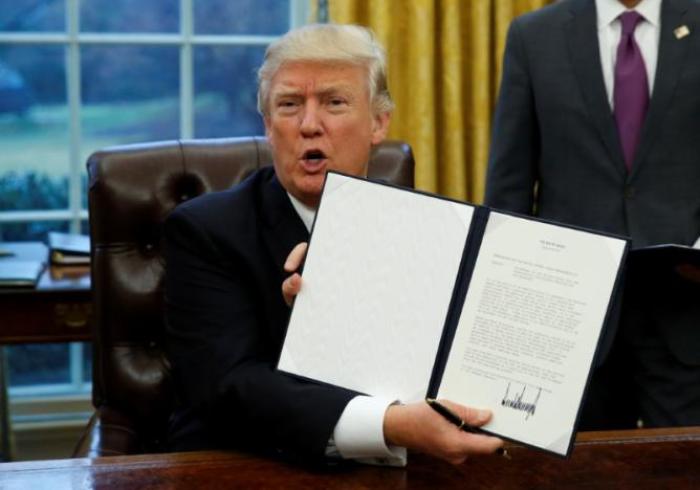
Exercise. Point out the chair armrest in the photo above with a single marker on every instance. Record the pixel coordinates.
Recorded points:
(108, 433)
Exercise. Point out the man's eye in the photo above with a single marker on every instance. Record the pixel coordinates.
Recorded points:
(336, 101)
(287, 103)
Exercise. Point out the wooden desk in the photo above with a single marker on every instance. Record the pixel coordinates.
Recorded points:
(642, 459)
(57, 310)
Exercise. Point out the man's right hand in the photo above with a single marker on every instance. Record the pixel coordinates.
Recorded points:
(418, 427)
(292, 285)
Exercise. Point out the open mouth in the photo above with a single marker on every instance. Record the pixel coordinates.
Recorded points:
(313, 159)
(314, 155)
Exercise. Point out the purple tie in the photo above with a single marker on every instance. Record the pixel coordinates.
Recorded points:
(631, 91)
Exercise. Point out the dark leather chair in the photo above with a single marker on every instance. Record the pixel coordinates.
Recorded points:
(132, 189)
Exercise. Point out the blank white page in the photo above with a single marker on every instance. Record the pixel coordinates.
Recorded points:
(377, 283)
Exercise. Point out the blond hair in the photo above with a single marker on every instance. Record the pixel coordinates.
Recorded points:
(335, 43)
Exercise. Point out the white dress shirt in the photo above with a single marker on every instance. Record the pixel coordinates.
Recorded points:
(359, 432)
(646, 34)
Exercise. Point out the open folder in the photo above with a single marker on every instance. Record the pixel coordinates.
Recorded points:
(407, 295)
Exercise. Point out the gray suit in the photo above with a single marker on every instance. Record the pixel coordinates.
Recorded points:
(556, 154)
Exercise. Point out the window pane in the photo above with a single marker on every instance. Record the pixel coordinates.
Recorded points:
(33, 128)
(32, 15)
(129, 15)
(130, 94)
(264, 17)
(32, 231)
(30, 364)
(225, 91)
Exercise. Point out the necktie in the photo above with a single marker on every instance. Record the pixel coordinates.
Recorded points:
(631, 91)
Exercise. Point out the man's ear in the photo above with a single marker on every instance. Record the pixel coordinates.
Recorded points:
(380, 127)
(266, 121)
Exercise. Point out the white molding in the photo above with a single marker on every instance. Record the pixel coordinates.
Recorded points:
(136, 38)
(251, 40)
(42, 215)
(34, 38)
(73, 77)
(47, 390)
(186, 69)
(41, 428)
(299, 11)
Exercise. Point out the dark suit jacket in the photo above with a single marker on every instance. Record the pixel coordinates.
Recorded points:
(555, 151)
(554, 127)
(226, 320)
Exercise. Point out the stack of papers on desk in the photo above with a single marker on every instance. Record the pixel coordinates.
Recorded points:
(68, 248)
(20, 273)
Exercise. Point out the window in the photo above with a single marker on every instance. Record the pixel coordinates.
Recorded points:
(79, 75)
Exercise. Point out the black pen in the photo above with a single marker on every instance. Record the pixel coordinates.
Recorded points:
(455, 419)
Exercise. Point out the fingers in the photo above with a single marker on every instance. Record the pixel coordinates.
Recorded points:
(470, 446)
(296, 256)
(465, 444)
(418, 427)
(472, 416)
(291, 287)
(473, 444)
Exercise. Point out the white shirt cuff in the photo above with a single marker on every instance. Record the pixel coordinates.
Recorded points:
(359, 433)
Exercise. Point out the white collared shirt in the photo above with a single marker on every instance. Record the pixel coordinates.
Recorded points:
(359, 432)
(646, 34)
(306, 213)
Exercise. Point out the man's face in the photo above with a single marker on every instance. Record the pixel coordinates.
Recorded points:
(319, 118)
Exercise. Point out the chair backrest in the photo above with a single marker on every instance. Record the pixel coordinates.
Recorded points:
(132, 189)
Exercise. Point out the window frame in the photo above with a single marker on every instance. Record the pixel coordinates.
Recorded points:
(73, 40)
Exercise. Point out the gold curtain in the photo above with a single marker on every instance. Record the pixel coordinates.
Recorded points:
(444, 63)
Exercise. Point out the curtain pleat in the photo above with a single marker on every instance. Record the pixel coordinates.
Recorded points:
(444, 64)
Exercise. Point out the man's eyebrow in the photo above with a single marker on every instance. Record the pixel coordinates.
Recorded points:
(323, 91)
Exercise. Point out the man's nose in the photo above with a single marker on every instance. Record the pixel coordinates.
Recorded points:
(311, 121)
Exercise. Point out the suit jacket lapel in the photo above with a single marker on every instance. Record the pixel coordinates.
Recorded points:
(283, 227)
(672, 53)
(584, 51)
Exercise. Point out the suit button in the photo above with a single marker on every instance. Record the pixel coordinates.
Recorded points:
(629, 192)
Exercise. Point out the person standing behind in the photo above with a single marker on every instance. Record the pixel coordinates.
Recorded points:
(597, 125)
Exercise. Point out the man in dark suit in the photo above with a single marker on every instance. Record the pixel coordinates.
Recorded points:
(324, 100)
(597, 125)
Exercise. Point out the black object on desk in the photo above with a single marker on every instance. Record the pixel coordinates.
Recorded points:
(69, 248)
